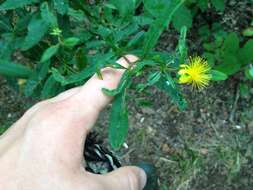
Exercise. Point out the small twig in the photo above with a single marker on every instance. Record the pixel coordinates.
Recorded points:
(167, 160)
(232, 114)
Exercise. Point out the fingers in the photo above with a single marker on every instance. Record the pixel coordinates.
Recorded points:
(66, 119)
(90, 100)
(126, 178)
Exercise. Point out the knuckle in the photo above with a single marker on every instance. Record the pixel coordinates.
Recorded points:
(47, 113)
(36, 107)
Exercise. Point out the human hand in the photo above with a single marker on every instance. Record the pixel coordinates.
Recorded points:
(44, 149)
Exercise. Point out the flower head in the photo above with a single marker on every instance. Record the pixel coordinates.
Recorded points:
(56, 31)
(196, 73)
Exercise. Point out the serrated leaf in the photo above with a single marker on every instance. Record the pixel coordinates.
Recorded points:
(71, 42)
(13, 4)
(218, 76)
(49, 52)
(118, 123)
(37, 28)
(61, 6)
(182, 17)
(14, 70)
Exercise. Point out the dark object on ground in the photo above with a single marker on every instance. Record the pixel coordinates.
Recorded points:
(99, 160)
(152, 179)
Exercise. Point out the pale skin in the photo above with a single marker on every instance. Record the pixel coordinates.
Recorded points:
(44, 149)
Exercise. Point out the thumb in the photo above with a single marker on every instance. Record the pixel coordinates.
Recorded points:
(126, 178)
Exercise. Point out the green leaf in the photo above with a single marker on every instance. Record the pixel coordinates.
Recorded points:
(156, 7)
(231, 44)
(124, 82)
(37, 28)
(125, 32)
(245, 53)
(167, 84)
(43, 69)
(31, 85)
(50, 88)
(182, 48)
(203, 4)
(5, 25)
(136, 39)
(219, 5)
(49, 52)
(249, 72)
(71, 42)
(47, 15)
(154, 78)
(61, 6)
(77, 15)
(14, 70)
(141, 64)
(229, 66)
(248, 32)
(159, 25)
(58, 77)
(126, 8)
(118, 123)
(7, 46)
(13, 4)
(143, 20)
(210, 58)
(182, 17)
(96, 63)
(218, 76)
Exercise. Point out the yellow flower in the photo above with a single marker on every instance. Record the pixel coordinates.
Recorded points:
(196, 73)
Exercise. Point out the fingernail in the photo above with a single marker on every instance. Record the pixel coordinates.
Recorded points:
(143, 178)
